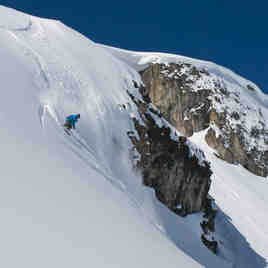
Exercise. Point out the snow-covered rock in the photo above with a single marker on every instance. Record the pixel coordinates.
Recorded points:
(169, 163)
(194, 95)
(194, 99)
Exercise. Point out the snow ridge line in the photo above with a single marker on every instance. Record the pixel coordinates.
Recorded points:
(141, 60)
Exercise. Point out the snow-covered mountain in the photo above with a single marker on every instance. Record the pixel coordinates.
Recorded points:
(195, 95)
(76, 201)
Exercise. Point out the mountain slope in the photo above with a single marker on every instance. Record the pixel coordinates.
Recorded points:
(74, 201)
(242, 197)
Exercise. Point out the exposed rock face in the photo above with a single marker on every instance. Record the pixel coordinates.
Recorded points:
(171, 165)
(208, 227)
(193, 100)
(181, 180)
(170, 91)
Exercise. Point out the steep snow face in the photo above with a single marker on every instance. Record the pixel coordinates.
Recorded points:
(241, 196)
(74, 201)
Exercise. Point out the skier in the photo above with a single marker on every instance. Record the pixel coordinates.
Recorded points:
(71, 121)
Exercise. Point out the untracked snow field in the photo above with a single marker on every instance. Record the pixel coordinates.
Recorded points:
(74, 201)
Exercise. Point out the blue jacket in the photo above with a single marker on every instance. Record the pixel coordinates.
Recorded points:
(72, 119)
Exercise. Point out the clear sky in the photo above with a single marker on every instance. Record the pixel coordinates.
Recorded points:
(230, 33)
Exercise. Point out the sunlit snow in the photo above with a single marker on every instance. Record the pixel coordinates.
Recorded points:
(75, 201)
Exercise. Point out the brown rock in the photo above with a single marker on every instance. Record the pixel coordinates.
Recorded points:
(170, 88)
(174, 98)
(178, 179)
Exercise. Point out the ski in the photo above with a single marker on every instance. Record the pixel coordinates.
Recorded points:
(68, 132)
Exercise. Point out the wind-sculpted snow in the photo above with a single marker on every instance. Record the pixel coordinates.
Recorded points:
(74, 201)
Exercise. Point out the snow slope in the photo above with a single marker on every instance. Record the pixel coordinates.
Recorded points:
(74, 201)
(242, 196)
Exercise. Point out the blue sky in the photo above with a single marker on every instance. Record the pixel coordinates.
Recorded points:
(229, 33)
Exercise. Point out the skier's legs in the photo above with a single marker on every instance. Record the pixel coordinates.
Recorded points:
(68, 125)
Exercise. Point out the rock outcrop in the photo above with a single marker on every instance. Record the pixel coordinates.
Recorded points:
(193, 99)
(208, 227)
(170, 90)
(171, 165)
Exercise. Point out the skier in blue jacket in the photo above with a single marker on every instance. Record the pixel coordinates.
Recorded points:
(71, 121)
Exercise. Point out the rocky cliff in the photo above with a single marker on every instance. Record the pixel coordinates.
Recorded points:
(169, 163)
(193, 99)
